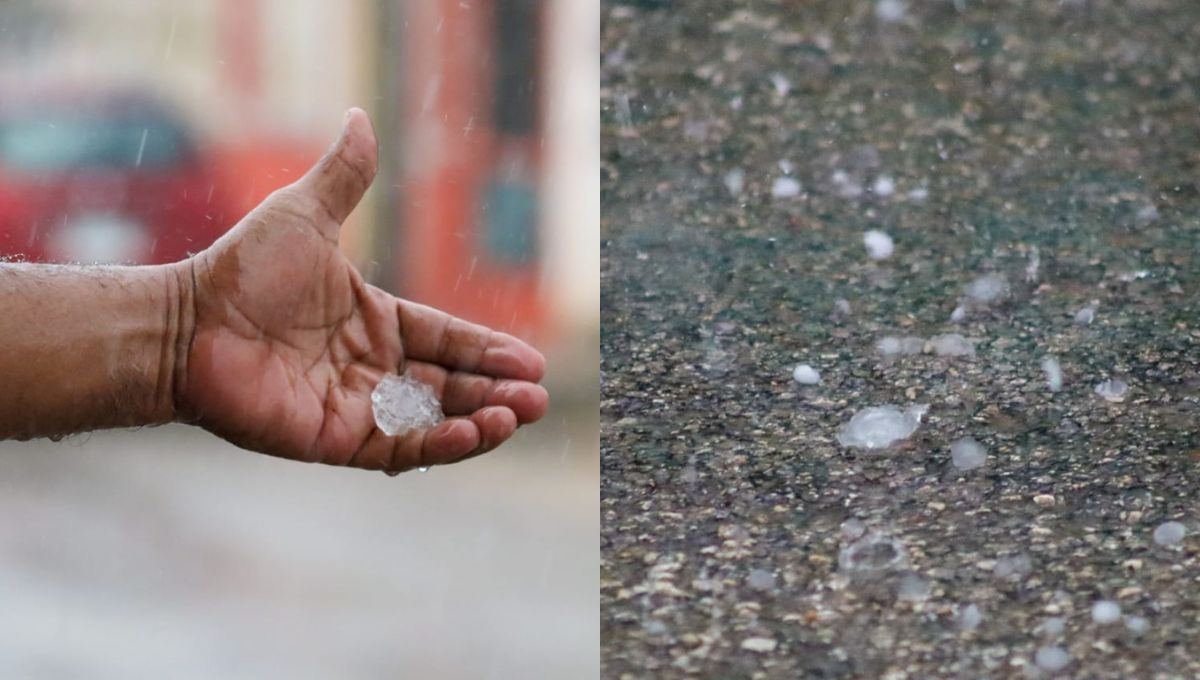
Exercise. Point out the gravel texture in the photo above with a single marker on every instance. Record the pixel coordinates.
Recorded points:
(1051, 145)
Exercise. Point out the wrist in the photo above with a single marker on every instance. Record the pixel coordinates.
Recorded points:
(179, 318)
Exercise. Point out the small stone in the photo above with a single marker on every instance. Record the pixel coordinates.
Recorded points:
(969, 617)
(1105, 612)
(1169, 533)
(1053, 371)
(760, 579)
(1051, 658)
(806, 375)
(1137, 625)
(1044, 500)
(967, 454)
(1114, 390)
(879, 245)
(878, 427)
(950, 345)
(761, 645)
(785, 187)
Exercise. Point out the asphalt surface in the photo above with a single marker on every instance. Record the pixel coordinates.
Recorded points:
(975, 134)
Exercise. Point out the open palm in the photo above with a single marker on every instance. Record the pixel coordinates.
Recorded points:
(289, 341)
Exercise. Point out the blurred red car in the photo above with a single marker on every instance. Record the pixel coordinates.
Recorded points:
(102, 178)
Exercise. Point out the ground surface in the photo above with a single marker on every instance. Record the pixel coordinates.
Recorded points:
(166, 553)
(1070, 126)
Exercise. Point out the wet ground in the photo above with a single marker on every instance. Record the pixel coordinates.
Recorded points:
(167, 553)
(982, 137)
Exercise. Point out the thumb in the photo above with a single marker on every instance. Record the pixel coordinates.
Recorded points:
(339, 180)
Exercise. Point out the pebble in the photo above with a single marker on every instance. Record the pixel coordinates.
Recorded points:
(1169, 533)
(878, 427)
(967, 454)
(806, 375)
(1105, 612)
(879, 245)
(1050, 658)
(1044, 500)
(761, 645)
(1114, 390)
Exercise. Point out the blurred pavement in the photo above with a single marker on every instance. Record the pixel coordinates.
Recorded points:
(168, 553)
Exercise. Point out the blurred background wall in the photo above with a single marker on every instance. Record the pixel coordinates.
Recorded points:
(131, 553)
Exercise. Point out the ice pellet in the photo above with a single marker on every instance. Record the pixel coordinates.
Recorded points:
(1086, 315)
(853, 528)
(987, 289)
(806, 375)
(913, 588)
(735, 181)
(1105, 612)
(878, 427)
(891, 345)
(1051, 658)
(1169, 533)
(872, 553)
(1137, 624)
(967, 454)
(785, 187)
(950, 345)
(879, 245)
(1114, 390)
(884, 186)
(1053, 626)
(401, 404)
(1053, 371)
(891, 10)
(760, 579)
(1013, 568)
(969, 617)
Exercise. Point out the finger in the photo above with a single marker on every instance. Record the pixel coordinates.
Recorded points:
(437, 337)
(464, 393)
(339, 180)
(449, 440)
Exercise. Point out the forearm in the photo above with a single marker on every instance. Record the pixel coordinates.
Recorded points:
(84, 348)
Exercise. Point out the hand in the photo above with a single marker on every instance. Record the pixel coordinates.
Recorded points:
(289, 341)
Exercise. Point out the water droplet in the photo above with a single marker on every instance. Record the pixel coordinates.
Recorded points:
(391, 473)
(423, 469)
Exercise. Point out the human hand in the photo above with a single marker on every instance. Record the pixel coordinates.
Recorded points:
(288, 341)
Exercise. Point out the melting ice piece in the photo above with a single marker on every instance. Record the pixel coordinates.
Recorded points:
(878, 427)
(760, 579)
(892, 345)
(891, 10)
(735, 180)
(806, 375)
(1113, 390)
(1053, 371)
(879, 245)
(1169, 533)
(873, 553)
(884, 186)
(401, 403)
(967, 454)
(950, 345)
(913, 588)
(1137, 624)
(1105, 612)
(1087, 314)
(1053, 626)
(785, 187)
(986, 290)
(969, 617)
(1051, 658)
